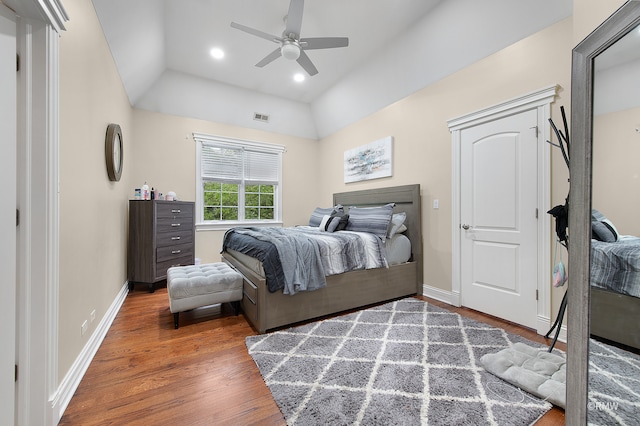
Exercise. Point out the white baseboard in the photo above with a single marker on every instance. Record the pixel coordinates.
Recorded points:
(453, 298)
(439, 294)
(72, 379)
(544, 324)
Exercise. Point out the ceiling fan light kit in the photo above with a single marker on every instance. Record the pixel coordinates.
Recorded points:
(293, 47)
(290, 50)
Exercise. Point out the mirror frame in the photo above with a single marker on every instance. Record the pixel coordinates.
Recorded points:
(113, 146)
(610, 31)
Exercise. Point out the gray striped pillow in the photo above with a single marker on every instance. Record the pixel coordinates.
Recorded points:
(374, 220)
(319, 213)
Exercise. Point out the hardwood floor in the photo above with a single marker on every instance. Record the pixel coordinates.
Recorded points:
(146, 372)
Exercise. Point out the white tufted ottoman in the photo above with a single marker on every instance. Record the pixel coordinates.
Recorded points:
(195, 286)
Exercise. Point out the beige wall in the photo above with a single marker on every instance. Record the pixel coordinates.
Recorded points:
(159, 149)
(588, 14)
(616, 180)
(165, 154)
(422, 142)
(92, 209)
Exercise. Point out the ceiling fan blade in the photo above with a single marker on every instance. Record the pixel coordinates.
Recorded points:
(323, 42)
(269, 58)
(306, 63)
(255, 32)
(294, 17)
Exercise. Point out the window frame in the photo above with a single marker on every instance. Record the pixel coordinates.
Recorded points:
(201, 223)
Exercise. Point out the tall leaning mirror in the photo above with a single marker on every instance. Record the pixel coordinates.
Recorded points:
(604, 249)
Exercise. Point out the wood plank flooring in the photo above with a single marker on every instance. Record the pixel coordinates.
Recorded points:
(146, 372)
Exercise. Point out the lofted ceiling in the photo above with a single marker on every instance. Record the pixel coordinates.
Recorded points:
(161, 49)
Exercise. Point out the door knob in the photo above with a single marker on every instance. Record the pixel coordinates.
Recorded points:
(465, 227)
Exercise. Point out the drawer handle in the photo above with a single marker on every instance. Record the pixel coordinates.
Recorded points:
(175, 225)
(175, 251)
(175, 211)
(175, 238)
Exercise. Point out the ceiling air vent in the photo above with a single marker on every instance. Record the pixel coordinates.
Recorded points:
(261, 117)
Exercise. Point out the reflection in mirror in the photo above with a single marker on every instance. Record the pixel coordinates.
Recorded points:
(614, 372)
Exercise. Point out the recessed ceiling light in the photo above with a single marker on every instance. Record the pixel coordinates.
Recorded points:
(298, 77)
(217, 53)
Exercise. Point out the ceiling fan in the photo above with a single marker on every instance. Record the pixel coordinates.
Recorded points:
(291, 45)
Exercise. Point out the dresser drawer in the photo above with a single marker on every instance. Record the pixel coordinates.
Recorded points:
(168, 224)
(174, 237)
(161, 267)
(174, 211)
(173, 252)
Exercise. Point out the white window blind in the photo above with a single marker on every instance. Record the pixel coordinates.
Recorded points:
(221, 163)
(235, 165)
(262, 167)
(253, 168)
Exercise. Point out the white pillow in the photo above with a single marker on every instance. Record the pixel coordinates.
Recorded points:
(397, 220)
(323, 222)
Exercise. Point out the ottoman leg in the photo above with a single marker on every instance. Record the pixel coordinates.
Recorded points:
(175, 319)
(236, 307)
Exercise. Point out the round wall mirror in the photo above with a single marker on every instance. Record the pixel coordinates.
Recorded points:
(113, 152)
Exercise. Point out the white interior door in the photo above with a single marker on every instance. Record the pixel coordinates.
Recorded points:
(8, 178)
(498, 215)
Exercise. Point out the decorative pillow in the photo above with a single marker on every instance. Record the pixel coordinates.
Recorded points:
(596, 215)
(325, 221)
(397, 220)
(338, 222)
(601, 231)
(599, 217)
(319, 213)
(401, 229)
(374, 220)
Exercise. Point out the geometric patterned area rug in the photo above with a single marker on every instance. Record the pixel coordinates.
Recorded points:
(614, 385)
(404, 362)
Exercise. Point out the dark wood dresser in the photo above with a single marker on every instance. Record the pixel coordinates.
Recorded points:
(161, 235)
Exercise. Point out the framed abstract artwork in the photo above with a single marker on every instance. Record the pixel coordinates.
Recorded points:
(371, 161)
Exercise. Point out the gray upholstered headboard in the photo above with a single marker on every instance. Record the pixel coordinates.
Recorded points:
(407, 199)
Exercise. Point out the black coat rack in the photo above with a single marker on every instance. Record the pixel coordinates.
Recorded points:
(561, 215)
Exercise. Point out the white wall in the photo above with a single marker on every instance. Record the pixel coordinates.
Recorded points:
(177, 93)
(435, 47)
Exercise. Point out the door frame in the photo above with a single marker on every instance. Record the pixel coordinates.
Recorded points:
(541, 101)
(39, 26)
(8, 176)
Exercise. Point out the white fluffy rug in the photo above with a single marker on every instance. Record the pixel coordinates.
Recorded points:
(404, 362)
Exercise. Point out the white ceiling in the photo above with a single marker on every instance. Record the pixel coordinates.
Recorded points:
(396, 47)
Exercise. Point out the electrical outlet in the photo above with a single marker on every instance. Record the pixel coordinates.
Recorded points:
(436, 204)
(84, 327)
(93, 315)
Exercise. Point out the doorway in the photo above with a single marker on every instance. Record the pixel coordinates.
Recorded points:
(501, 192)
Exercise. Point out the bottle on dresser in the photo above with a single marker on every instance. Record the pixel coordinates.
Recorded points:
(145, 192)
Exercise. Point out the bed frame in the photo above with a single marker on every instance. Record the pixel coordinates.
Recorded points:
(266, 310)
(614, 317)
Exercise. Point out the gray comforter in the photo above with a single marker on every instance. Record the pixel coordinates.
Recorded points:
(307, 256)
(616, 266)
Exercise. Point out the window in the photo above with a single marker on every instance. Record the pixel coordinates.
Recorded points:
(238, 182)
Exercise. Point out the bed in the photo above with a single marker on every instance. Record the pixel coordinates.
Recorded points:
(615, 284)
(267, 310)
